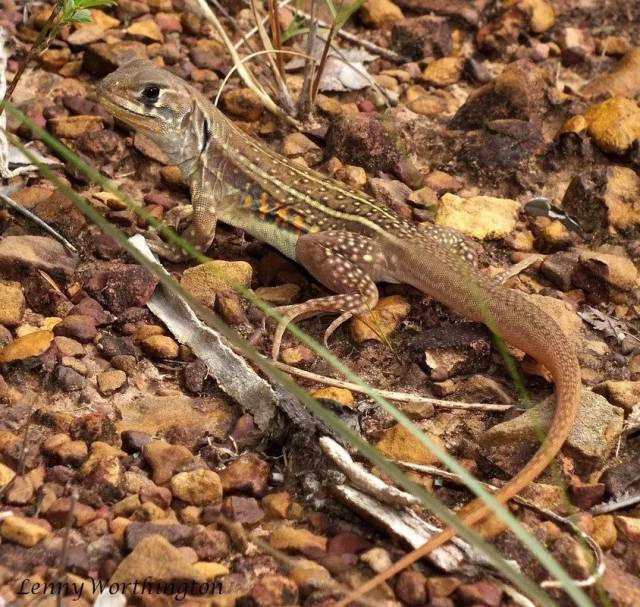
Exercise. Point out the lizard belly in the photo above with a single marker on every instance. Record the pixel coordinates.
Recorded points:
(269, 232)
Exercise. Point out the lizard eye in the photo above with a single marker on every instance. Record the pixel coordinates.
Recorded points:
(150, 93)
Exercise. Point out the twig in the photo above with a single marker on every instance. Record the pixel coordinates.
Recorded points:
(323, 61)
(515, 269)
(275, 33)
(374, 48)
(35, 49)
(304, 100)
(245, 74)
(391, 395)
(64, 555)
(35, 219)
(274, 62)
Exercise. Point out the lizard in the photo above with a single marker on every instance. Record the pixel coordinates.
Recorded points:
(344, 238)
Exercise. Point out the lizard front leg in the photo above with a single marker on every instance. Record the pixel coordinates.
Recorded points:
(345, 262)
(202, 230)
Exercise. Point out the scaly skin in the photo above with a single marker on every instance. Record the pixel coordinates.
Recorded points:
(343, 237)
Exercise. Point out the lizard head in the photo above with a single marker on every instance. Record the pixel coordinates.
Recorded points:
(154, 102)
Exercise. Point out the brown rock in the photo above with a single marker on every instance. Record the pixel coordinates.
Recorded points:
(614, 45)
(576, 44)
(517, 93)
(35, 252)
(363, 139)
(273, 591)
(198, 487)
(155, 558)
(189, 418)
(211, 544)
(411, 588)
(54, 59)
(110, 381)
(297, 145)
(479, 593)
(164, 459)
(594, 432)
(616, 271)
(249, 473)
(421, 37)
(243, 103)
(453, 350)
(625, 394)
(160, 346)
(243, 510)
(174, 533)
(77, 326)
(281, 295)
(600, 199)
(100, 59)
(71, 127)
(126, 286)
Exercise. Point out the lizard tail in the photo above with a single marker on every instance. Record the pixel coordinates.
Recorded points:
(525, 325)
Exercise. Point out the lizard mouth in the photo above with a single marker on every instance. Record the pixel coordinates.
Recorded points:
(123, 111)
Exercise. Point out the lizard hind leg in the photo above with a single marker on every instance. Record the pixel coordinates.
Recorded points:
(343, 263)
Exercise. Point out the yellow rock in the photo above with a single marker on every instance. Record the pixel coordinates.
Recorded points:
(618, 271)
(277, 505)
(197, 487)
(33, 344)
(483, 217)
(102, 20)
(381, 321)
(380, 12)
(146, 29)
(398, 444)
(22, 531)
(290, 538)
(614, 124)
(541, 14)
(604, 531)
(205, 280)
(443, 72)
(6, 475)
(339, 395)
(575, 124)
(211, 570)
(12, 303)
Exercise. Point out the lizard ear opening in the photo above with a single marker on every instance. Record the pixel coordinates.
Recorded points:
(206, 135)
